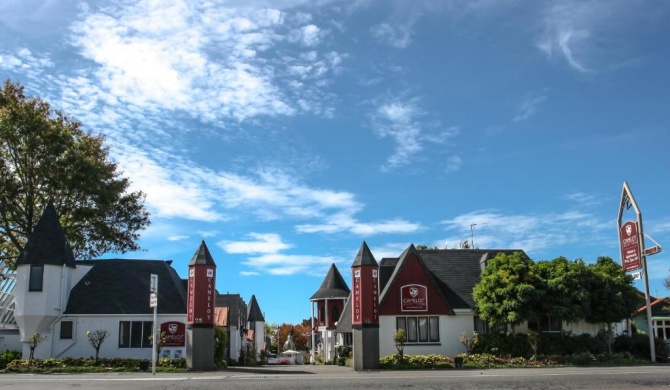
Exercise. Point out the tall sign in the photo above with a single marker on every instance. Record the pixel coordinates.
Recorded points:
(201, 295)
(631, 247)
(365, 310)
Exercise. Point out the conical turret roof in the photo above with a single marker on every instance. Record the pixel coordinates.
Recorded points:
(202, 256)
(254, 313)
(333, 286)
(364, 257)
(48, 244)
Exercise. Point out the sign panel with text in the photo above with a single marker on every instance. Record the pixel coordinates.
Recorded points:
(630, 246)
(413, 297)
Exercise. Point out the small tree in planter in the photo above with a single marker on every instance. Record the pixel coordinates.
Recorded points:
(33, 342)
(96, 338)
(162, 339)
(399, 338)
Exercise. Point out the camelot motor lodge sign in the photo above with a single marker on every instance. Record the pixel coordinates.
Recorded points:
(630, 246)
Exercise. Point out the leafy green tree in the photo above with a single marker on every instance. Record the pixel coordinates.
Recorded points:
(562, 289)
(45, 156)
(399, 339)
(506, 292)
(612, 296)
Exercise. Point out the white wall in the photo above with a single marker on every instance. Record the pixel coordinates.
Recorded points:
(36, 310)
(79, 346)
(10, 340)
(451, 327)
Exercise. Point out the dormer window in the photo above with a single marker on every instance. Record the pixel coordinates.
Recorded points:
(36, 277)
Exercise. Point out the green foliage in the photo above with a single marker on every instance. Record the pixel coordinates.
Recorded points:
(220, 345)
(506, 291)
(343, 353)
(416, 362)
(89, 365)
(503, 344)
(7, 357)
(45, 157)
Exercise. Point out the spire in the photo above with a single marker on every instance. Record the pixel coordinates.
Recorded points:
(364, 257)
(48, 244)
(254, 313)
(202, 256)
(333, 285)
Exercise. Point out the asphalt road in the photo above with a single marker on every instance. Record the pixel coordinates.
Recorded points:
(333, 377)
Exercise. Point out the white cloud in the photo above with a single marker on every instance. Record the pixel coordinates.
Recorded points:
(262, 243)
(403, 120)
(284, 265)
(311, 35)
(399, 36)
(535, 232)
(528, 106)
(177, 238)
(454, 163)
(340, 223)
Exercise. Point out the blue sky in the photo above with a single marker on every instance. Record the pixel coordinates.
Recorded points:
(285, 133)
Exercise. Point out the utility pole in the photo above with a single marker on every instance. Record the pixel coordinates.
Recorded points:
(472, 232)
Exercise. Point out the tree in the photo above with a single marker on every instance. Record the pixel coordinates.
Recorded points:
(162, 339)
(562, 291)
(399, 339)
(301, 335)
(506, 292)
(612, 296)
(96, 338)
(33, 342)
(45, 156)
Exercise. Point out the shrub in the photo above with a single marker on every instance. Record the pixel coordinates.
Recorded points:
(7, 357)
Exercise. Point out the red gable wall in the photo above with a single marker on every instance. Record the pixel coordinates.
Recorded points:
(413, 272)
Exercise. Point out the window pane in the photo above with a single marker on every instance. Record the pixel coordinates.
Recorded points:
(334, 314)
(401, 323)
(434, 328)
(66, 330)
(411, 329)
(36, 274)
(136, 334)
(124, 334)
(667, 334)
(146, 331)
(423, 329)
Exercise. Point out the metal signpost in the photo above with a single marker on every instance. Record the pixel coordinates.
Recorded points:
(634, 255)
(153, 302)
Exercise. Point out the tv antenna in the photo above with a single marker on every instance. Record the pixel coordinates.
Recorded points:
(472, 232)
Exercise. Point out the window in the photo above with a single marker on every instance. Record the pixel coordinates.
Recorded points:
(135, 334)
(546, 325)
(36, 276)
(662, 329)
(322, 313)
(420, 329)
(66, 330)
(335, 314)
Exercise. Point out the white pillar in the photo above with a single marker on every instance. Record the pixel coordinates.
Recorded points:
(312, 356)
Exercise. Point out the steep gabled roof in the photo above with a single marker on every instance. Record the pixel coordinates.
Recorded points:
(121, 286)
(47, 245)
(333, 286)
(409, 252)
(455, 271)
(202, 256)
(254, 312)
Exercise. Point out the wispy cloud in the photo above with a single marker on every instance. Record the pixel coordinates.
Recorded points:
(340, 223)
(398, 36)
(532, 233)
(403, 120)
(283, 264)
(261, 243)
(528, 106)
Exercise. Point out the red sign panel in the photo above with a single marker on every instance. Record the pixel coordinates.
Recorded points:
(175, 333)
(201, 295)
(365, 305)
(413, 297)
(630, 246)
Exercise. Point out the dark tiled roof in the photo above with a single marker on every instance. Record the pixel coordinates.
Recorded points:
(118, 286)
(202, 256)
(458, 271)
(48, 245)
(255, 313)
(344, 322)
(333, 286)
(364, 257)
(237, 309)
